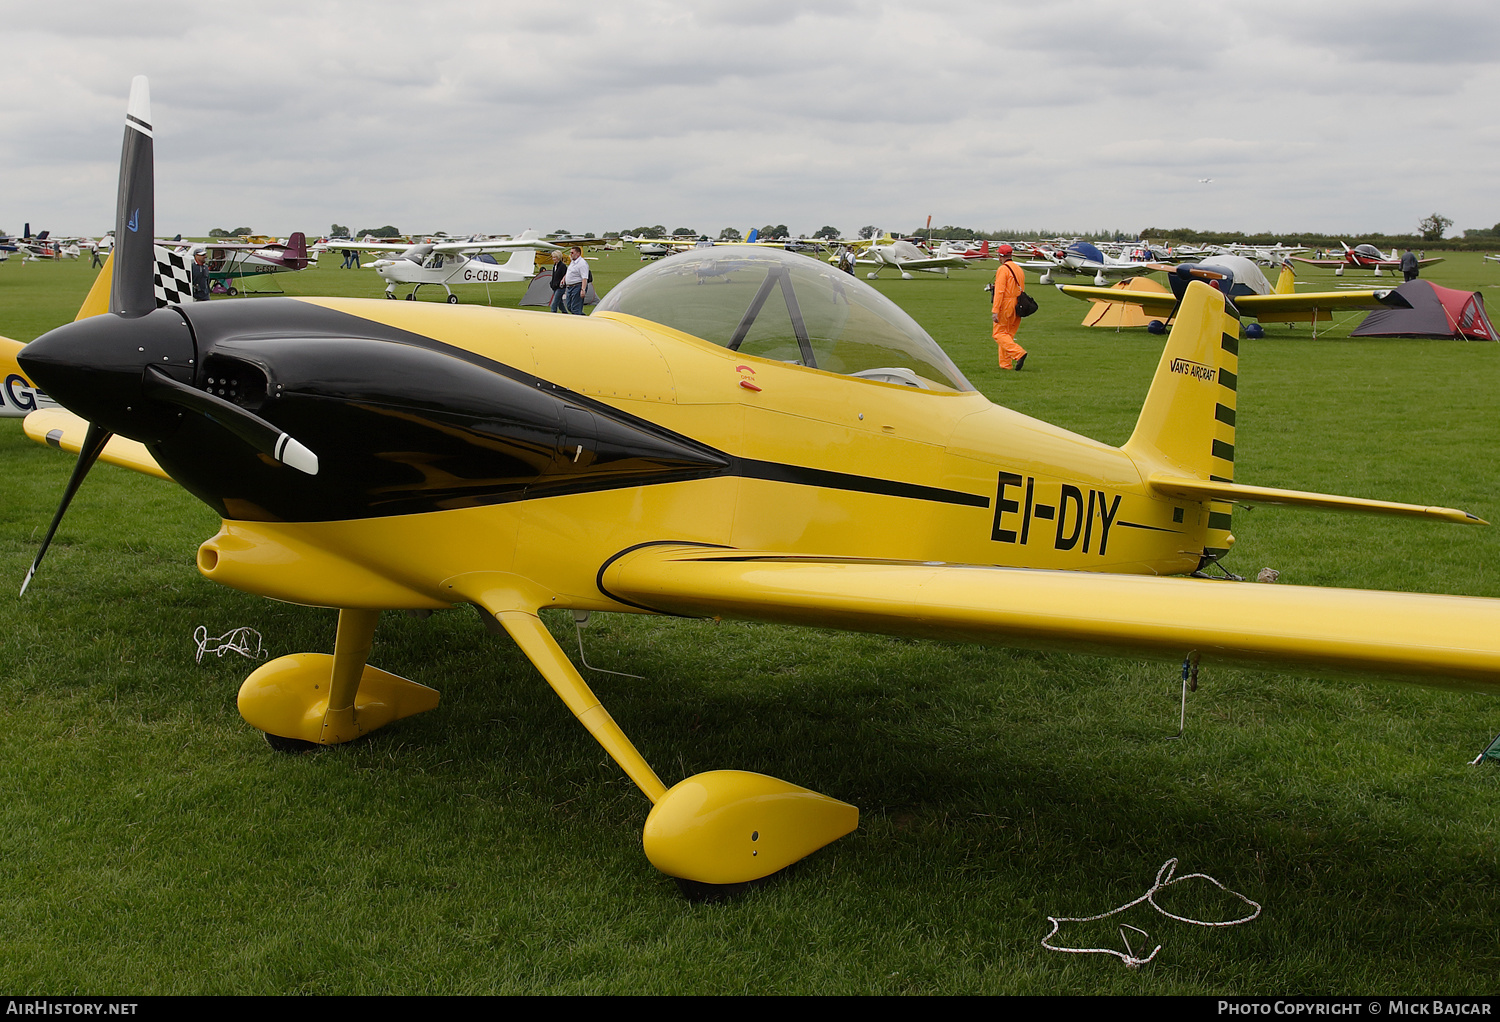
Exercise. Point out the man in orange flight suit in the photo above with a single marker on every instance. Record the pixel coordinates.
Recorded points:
(1010, 281)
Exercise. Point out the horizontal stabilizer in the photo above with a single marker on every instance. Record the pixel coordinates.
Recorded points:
(1209, 489)
(57, 427)
(1157, 302)
(1414, 635)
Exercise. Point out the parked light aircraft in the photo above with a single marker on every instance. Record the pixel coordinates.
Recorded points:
(901, 255)
(786, 446)
(447, 263)
(1265, 255)
(36, 247)
(656, 248)
(1364, 257)
(1250, 293)
(232, 261)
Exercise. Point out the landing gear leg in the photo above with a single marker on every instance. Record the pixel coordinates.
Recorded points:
(717, 830)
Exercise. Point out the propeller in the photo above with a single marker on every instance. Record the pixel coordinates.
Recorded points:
(130, 372)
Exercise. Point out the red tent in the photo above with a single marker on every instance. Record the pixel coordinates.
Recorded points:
(1435, 312)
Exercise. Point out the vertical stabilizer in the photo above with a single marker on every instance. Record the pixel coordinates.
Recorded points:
(1186, 427)
(296, 248)
(1286, 284)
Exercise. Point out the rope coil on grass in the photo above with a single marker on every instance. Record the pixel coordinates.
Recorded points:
(1164, 879)
(236, 640)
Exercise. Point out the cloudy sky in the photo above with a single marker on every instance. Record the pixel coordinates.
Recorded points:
(492, 115)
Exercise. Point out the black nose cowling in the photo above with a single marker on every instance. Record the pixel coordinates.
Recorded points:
(96, 369)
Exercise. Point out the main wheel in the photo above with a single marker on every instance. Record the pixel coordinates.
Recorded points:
(453, 299)
(233, 292)
(391, 295)
(411, 297)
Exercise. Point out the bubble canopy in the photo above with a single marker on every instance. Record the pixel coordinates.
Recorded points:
(778, 305)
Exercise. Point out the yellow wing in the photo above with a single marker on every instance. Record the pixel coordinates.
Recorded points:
(60, 428)
(1300, 308)
(1266, 308)
(1399, 634)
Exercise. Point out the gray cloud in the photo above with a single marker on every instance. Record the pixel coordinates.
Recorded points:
(500, 116)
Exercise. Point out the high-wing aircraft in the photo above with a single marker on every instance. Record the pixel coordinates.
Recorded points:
(1251, 293)
(786, 446)
(1364, 257)
(232, 261)
(447, 263)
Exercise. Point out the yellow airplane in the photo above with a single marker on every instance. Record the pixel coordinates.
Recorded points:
(1250, 292)
(786, 446)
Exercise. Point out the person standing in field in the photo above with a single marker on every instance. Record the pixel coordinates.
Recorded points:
(576, 279)
(1010, 281)
(559, 293)
(199, 273)
(1409, 266)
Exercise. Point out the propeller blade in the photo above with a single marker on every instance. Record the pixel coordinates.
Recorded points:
(133, 291)
(93, 442)
(249, 427)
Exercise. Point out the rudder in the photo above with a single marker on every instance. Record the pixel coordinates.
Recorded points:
(1186, 426)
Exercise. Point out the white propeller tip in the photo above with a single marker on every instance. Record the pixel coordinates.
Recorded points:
(292, 454)
(140, 100)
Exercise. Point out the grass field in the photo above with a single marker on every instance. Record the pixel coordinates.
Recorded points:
(150, 842)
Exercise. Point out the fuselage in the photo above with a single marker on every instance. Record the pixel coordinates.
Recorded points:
(449, 268)
(491, 440)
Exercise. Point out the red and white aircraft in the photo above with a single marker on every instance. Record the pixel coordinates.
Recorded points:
(1364, 257)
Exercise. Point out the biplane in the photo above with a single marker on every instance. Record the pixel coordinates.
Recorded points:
(785, 446)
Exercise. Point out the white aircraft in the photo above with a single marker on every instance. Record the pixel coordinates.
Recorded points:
(1266, 255)
(461, 262)
(902, 255)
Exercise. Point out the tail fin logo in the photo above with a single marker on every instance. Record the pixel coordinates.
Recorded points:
(1197, 370)
(135, 221)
